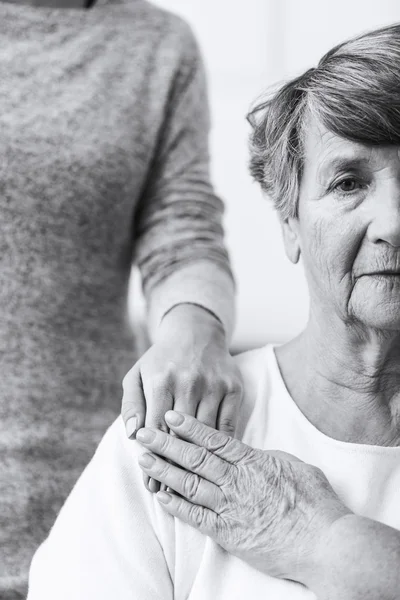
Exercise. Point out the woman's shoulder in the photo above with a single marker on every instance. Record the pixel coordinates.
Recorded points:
(253, 365)
(256, 369)
(253, 357)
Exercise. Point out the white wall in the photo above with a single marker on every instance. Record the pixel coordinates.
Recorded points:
(248, 46)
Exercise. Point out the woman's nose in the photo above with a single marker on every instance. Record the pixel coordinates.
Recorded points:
(385, 224)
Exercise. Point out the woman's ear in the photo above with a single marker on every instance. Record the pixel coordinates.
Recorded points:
(291, 239)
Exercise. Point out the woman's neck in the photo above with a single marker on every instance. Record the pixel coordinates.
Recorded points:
(345, 382)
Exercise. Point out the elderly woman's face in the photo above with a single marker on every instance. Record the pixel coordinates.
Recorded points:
(348, 230)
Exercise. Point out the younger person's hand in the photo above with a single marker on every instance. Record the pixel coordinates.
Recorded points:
(189, 369)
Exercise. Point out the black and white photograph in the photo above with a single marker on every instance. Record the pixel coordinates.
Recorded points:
(199, 300)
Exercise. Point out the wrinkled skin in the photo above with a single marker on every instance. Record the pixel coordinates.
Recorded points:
(266, 507)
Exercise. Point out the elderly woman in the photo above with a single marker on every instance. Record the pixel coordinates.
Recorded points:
(305, 502)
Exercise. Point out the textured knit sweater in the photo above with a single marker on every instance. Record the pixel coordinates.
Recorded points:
(103, 141)
(113, 539)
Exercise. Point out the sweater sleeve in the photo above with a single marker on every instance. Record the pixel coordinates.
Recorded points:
(179, 241)
(110, 540)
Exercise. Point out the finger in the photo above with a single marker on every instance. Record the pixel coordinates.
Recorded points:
(228, 412)
(189, 456)
(146, 481)
(152, 485)
(187, 396)
(189, 392)
(199, 517)
(155, 486)
(133, 407)
(165, 396)
(192, 487)
(159, 396)
(207, 409)
(217, 442)
(157, 404)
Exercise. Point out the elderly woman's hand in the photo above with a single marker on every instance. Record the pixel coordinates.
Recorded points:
(188, 368)
(268, 508)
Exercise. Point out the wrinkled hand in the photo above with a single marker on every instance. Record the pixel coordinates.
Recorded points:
(188, 368)
(268, 508)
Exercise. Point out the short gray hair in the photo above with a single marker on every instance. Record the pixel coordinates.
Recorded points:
(354, 92)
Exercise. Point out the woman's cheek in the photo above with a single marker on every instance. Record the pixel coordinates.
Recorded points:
(318, 247)
(330, 247)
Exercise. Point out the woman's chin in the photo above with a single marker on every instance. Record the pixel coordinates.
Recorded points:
(375, 302)
(385, 318)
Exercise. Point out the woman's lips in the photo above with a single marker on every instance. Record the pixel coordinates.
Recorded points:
(388, 273)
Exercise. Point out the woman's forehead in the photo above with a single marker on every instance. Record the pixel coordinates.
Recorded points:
(326, 152)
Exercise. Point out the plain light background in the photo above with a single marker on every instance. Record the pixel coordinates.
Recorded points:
(247, 47)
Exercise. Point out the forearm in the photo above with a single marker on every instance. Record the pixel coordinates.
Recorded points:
(202, 283)
(179, 239)
(359, 560)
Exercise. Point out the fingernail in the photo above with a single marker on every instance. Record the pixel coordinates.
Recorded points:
(146, 460)
(145, 435)
(154, 486)
(174, 417)
(164, 497)
(131, 427)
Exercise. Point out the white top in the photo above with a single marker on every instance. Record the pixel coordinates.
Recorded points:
(113, 540)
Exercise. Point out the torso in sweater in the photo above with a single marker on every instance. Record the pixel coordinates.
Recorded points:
(83, 97)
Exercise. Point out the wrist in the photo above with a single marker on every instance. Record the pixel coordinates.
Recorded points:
(190, 318)
(358, 558)
(327, 555)
(191, 310)
(315, 554)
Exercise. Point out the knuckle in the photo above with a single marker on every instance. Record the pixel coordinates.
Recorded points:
(196, 515)
(217, 441)
(317, 473)
(164, 443)
(234, 387)
(214, 382)
(192, 380)
(191, 485)
(239, 388)
(162, 469)
(161, 386)
(197, 459)
(128, 410)
(229, 474)
(171, 370)
(157, 382)
(227, 425)
(164, 377)
(271, 462)
(187, 376)
(128, 403)
(192, 426)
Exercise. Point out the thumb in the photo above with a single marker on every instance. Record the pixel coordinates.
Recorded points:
(133, 410)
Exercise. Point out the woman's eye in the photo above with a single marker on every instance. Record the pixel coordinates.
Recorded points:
(348, 185)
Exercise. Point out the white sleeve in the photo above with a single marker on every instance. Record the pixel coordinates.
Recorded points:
(111, 539)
